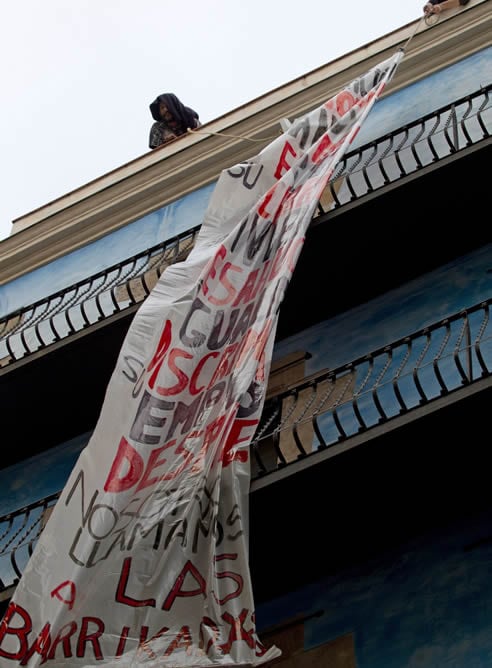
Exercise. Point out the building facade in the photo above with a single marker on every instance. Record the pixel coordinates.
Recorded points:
(370, 527)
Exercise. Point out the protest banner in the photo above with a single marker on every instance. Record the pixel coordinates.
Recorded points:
(144, 561)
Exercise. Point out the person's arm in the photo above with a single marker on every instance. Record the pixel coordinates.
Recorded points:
(160, 134)
(438, 7)
(155, 135)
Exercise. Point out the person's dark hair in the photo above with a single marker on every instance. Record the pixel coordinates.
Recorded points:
(185, 116)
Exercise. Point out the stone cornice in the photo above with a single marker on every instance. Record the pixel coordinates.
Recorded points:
(163, 175)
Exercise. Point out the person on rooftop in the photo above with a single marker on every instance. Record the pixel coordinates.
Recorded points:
(438, 6)
(172, 119)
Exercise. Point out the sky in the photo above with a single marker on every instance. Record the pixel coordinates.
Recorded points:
(77, 77)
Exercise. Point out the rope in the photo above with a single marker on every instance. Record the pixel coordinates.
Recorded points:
(403, 48)
(223, 134)
(431, 19)
(423, 18)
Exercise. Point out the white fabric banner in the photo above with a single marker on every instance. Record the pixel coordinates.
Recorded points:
(144, 561)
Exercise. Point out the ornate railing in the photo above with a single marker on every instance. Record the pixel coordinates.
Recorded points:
(402, 152)
(341, 403)
(71, 310)
(327, 409)
(19, 532)
(436, 136)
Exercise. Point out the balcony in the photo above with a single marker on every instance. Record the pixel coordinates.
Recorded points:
(329, 413)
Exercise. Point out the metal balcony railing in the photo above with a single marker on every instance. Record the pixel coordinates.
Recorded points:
(19, 532)
(410, 148)
(327, 409)
(71, 310)
(122, 287)
(338, 404)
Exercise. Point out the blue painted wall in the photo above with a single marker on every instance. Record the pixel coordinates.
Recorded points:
(148, 231)
(427, 605)
(424, 96)
(421, 302)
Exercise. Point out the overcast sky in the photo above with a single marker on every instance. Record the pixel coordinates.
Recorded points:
(78, 76)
